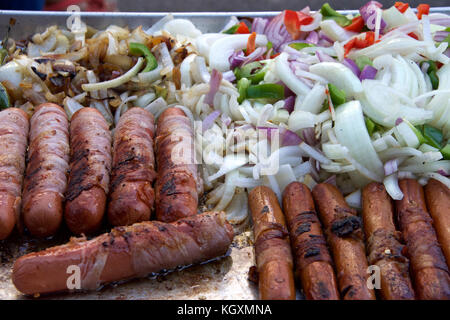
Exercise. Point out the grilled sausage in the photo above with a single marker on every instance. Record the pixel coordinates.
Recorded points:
(272, 248)
(124, 253)
(46, 175)
(313, 264)
(438, 203)
(90, 164)
(383, 244)
(178, 183)
(343, 230)
(13, 146)
(133, 171)
(430, 272)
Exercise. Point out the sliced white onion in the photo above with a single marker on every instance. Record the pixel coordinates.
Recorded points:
(354, 199)
(116, 81)
(314, 153)
(392, 188)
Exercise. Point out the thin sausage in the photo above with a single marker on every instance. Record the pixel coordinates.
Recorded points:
(132, 196)
(343, 229)
(90, 164)
(124, 253)
(178, 183)
(430, 272)
(14, 128)
(313, 263)
(438, 203)
(383, 244)
(272, 248)
(46, 175)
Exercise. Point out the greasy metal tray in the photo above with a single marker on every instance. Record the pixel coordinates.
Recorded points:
(226, 278)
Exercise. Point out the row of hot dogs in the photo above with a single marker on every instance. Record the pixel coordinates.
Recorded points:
(70, 170)
(412, 262)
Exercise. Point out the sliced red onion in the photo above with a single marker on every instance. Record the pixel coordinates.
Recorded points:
(440, 19)
(324, 43)
(276, 31)
(289, 103)
(255, 55)
(313, 37)
(447, 52)
(323, 57)
(443, 173)
(209, 120)
(398, 121)
(214, 84)
(368, 72)
(236, 59)
(225, 119)
(369, 14)
(259, 25)
(331, 180)
(323, 36)
(229, 76)
(309, 136)
(299, 65)
(289, 138)
(390, 167)
(349, 63)
(439, 36)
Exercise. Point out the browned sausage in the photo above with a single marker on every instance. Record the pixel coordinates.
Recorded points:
(383, 244)
(313, 264)
(90, 164)
(125, 253)
(46, 175)
(430, 272)
(343, 229)
(13, 146)
(178, 183)
(133, 172)
(438, 203)
(272, 248)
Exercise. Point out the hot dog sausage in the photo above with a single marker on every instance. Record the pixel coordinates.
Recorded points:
(343, 229)
(133, 172)
(383, 245)
(429, 270)
(178, 183)
(46, 175)
(90, 164)
(272, 248)
(313, 263)
(438, 203)
(125, 253)
(13, 146)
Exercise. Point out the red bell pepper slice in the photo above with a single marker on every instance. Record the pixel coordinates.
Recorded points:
(422, 9)
(293, 20)
(251, 44)
(413, 35)
(357, 24)
(401, 6)
(242, 28)
(359, 42)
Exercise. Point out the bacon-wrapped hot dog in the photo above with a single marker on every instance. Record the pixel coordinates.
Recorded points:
(178, 183)
(13, 146)
(430, 272)
(313, 263)
(383, 245)
(272, 248)
(46, 175)
(343, 229)
(133, 171)
(125, 253)
(90, 164)
(438, 203)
